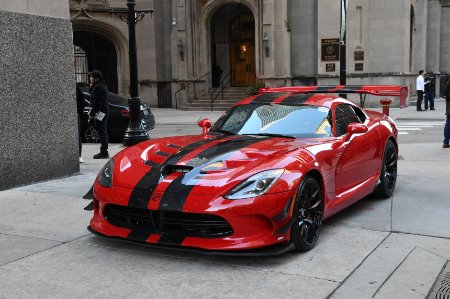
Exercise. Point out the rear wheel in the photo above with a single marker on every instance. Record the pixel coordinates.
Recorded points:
(307, 215)
(388, 174)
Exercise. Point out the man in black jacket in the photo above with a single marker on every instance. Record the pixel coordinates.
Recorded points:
(99, 111)
(446, 95)
(80, 110)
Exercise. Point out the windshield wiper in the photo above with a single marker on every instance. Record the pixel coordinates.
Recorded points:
(224, 132)
(273, 135)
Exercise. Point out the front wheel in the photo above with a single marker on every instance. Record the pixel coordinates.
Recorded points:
(307, 215)
(388, 174)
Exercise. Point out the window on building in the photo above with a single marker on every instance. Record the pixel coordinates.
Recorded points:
(359, 30)
(81, 67)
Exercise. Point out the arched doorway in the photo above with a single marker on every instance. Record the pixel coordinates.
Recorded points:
(100, 53)
(233, 45)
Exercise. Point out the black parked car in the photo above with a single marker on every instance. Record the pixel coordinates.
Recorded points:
(118, 119)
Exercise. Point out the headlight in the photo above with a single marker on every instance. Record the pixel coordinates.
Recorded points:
(105, 176)
(256, 185)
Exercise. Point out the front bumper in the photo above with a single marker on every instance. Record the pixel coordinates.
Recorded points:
(256, 223)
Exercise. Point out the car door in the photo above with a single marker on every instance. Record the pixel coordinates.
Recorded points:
(357, 162)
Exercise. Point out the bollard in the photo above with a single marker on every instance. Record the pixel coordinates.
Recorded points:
(385, 103)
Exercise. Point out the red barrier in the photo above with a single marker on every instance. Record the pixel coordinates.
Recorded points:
(385, 103)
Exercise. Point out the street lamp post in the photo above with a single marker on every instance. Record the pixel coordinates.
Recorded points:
(342, 46)
(135, 132)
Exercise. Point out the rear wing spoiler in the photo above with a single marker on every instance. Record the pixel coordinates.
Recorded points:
(362, 90)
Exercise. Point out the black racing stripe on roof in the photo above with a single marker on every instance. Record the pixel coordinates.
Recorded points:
(173, 145)
(177, 192)
(299, 98)
(140, 196)
(267, 97)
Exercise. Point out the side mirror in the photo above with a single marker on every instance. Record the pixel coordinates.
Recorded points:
(356, 128)
(205, 124)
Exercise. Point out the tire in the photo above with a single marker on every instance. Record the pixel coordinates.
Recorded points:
(388, 173)
(91, 134)
(307, 214)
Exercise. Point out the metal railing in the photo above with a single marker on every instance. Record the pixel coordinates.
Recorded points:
(223, 83)
(197, 80)
(183, 87)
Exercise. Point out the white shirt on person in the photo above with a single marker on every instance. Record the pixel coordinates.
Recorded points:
(420, 83)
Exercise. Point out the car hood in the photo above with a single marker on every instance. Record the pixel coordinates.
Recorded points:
(205, 164)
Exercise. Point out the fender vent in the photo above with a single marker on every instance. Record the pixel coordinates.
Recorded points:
(441, 287)
(168, 169)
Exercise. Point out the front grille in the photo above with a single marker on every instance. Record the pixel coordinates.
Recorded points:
(175, 224)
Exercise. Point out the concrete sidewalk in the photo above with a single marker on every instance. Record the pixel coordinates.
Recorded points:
(394, 248)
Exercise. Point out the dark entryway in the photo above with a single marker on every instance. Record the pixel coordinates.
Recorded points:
(99, 54)
(233, 45)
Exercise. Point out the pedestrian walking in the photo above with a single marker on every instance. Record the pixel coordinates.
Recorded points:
(80, 110)
(427, 91)
(99, 111)
(432, 88)
(446, 95)
(420, 87)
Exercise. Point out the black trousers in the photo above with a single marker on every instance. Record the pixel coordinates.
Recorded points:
(103, 133)
(80, 135)
(419, 99)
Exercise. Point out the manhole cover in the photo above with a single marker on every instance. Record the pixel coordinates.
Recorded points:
(441, 287)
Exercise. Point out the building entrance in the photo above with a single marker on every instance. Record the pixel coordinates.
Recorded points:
(94, 51)
(233, 45)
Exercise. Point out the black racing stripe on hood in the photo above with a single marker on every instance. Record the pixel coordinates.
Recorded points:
(177, 156)
(170, 240)
(136, 235)
(164, 154)
(266, 98)
(173, 146)
(177, 192)
(140, 196)
(296, 99)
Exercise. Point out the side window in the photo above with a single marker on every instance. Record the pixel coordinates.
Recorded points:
(361, 116)
(344, 116)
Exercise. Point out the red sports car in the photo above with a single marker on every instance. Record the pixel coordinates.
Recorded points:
(259, 181)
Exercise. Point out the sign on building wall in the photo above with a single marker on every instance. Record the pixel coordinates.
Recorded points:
(330, 49)
(359, 67)
(359, 55)
(330, 67)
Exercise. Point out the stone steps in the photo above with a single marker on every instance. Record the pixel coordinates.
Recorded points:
(231, 95)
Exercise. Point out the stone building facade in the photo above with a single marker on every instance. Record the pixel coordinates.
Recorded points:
(187, 47)
(38, 125)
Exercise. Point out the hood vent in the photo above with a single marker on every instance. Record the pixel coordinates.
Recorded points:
(168, 169)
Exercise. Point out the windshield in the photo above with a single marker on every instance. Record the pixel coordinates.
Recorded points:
(274, 119)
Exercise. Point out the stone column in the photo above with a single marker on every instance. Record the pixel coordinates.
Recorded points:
(277, 59)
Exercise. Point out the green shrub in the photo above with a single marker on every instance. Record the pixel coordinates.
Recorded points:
(253, 89)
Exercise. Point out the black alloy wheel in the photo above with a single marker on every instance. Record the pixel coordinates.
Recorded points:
(307, 215)
(388, 174)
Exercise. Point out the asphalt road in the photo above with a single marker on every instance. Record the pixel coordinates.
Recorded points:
(393, 248)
